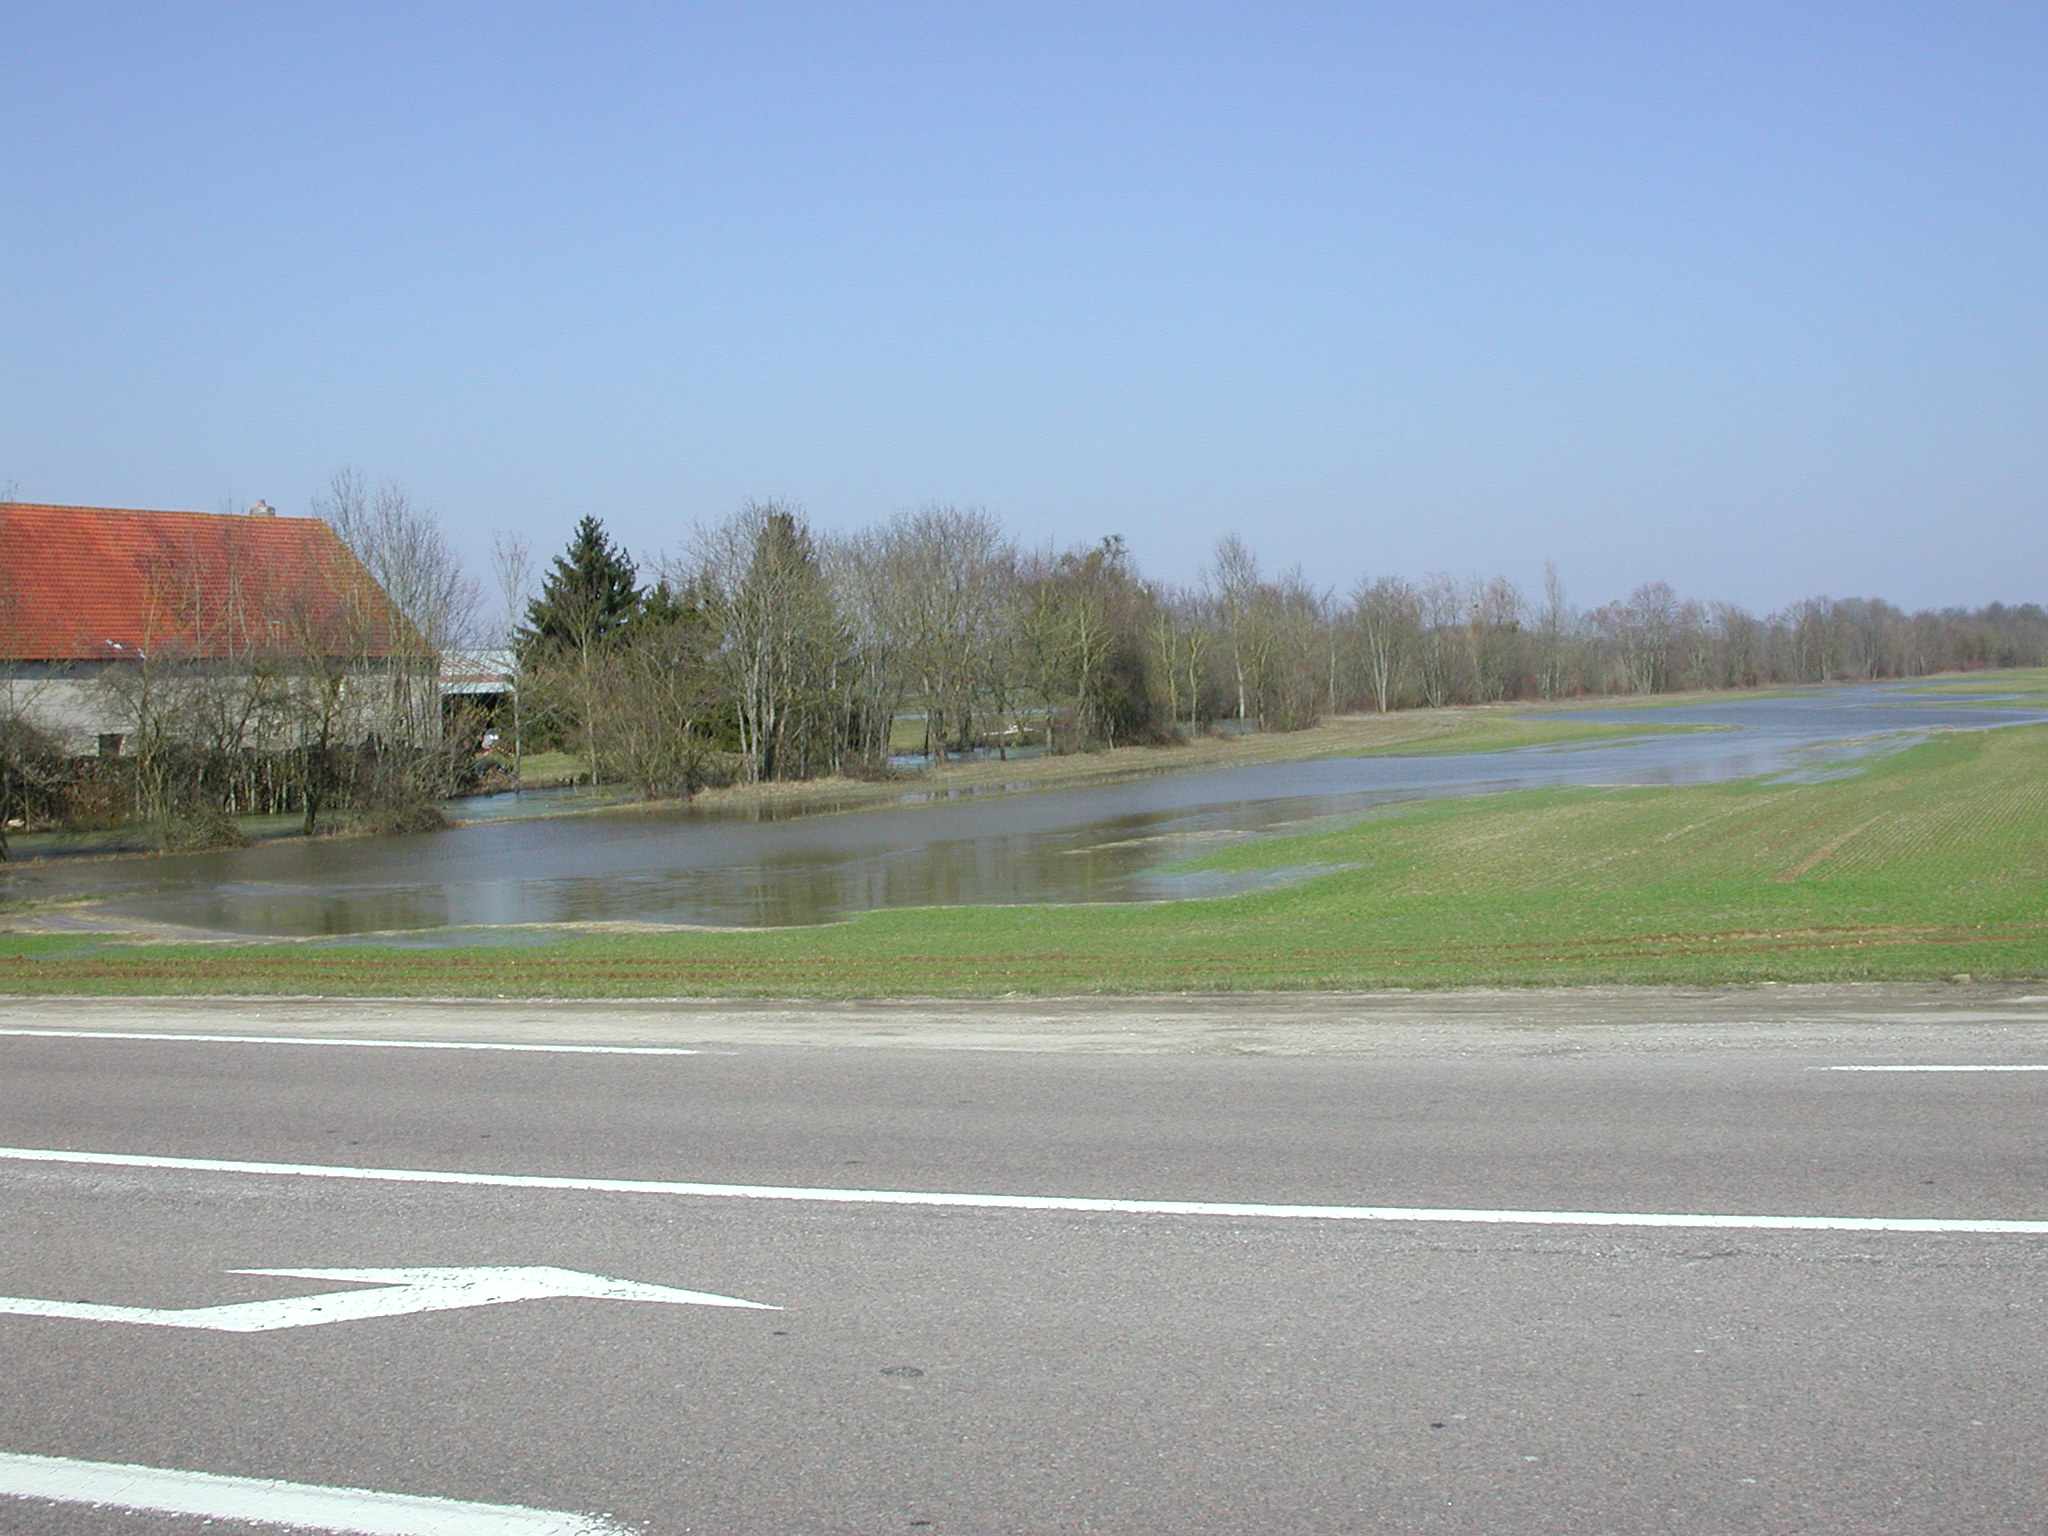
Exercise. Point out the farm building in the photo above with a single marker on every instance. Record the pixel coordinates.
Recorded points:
(116, 623)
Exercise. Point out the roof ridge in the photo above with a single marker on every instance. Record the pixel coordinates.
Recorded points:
(58, 506)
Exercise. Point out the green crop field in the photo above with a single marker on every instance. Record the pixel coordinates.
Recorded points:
(1925, 864)
(2017, 687)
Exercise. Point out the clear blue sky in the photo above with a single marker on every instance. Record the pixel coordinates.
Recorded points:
(1750, 298)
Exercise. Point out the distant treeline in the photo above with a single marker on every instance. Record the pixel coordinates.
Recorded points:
(767, 650)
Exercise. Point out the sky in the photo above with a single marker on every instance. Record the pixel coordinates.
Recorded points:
(1746, 298)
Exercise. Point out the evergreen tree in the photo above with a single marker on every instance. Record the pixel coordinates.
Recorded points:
(588, 599)
(587, 603)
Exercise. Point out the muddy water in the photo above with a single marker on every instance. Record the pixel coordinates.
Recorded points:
(677, 866)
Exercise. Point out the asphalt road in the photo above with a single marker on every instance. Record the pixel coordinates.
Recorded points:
(962, 1368)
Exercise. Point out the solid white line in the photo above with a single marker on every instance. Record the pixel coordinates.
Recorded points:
(1038, 1202)
(2043, 1068)
(392, 1045)
(356, 1511)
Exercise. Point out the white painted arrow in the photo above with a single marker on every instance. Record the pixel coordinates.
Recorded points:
(264, 1501)
(398, 1291)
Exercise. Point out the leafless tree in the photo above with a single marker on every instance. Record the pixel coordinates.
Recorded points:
(1063, 637)
(1232, 581)
(1693, 651)
(1291, 656)
(1389, 623)
(1180, 636)
(1816, 640)
(512, 570)
(1638, 635)
(866, 580)
(1926, 645)
(1083, 617)
(1738, 647)
(1440, 608)
(782, 644)
(952, 573)
(401, 545)
(655, 693)
(1493, 624)
(1556, 629)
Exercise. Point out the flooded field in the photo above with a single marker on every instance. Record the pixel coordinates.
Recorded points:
(676, 865)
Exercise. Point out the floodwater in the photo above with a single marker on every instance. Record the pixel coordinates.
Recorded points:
(674, 865)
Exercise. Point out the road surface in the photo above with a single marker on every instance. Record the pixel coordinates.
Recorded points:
(1467, 1267)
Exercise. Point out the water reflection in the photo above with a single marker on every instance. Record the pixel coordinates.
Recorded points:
(674, 865)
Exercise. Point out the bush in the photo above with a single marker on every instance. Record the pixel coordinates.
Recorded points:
(398, 820)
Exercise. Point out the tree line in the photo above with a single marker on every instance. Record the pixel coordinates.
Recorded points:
(766, 649)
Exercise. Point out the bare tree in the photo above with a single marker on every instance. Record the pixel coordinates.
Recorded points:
(953, 567)
(866, 580)
(656, 692)
(1636, 638)
(512, 567)
(782, 646)
(512, 570)
(1389, 628)
(1554, 634)
(401, 545)
(211, 682)
(1180, 633)
(1233, 583)
(1493, 624)
(1693, 651)
(1291, 657)
(1081, 619)
(1926, 642)
(1440, 608)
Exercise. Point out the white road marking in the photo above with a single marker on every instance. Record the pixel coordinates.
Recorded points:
(261, 1501)
(2024, 1068)
(399, 1291)
(388, 1045)
(1236, 1208)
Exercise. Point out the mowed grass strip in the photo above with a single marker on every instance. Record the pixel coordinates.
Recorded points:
(1928, 863)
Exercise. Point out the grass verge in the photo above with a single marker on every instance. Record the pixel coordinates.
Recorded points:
(1926, 864)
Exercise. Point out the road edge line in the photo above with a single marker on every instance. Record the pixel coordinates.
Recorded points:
(1988, 1226)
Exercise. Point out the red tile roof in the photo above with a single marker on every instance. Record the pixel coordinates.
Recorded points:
(97, 583)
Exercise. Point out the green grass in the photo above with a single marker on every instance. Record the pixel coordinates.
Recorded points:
(538, 770)
(1928, 863)
(1498, 733)
(2028, 687)
(1645, 703)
